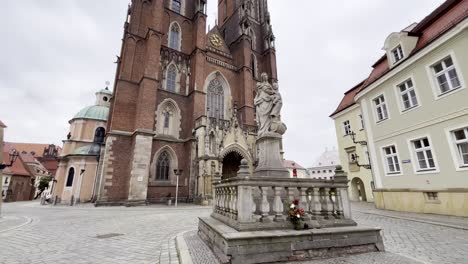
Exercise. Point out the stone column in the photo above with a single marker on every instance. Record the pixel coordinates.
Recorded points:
(278, 205)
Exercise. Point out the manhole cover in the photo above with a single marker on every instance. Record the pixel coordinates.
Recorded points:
(110, 235)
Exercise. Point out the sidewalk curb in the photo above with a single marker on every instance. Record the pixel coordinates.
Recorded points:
(28, 221)
(182, 249)
(417, 220)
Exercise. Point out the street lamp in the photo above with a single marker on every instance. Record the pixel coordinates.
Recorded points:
(177, 172)
(13, 156)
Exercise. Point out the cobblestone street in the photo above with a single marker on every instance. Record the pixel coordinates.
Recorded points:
(84, 234)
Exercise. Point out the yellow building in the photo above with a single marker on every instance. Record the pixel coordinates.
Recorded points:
(415, 108)
(352, 146)
(79, 160)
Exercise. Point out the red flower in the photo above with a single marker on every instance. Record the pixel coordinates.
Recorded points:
(296, 202)
(300, 211)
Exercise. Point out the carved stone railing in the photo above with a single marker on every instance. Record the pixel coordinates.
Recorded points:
(259, 203)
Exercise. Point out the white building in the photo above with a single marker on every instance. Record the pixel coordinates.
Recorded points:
(295, 170)
(325, 165)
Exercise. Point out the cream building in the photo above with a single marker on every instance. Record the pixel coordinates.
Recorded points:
(352, 146)
(76, 175)
(325, 165)
(415, 109)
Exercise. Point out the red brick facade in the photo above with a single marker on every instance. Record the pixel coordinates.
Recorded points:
(245, 32)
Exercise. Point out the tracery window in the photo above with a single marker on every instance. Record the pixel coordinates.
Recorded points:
(174, 38)
(215, 100)
(163, 167)
(171, 78)
(167, 118)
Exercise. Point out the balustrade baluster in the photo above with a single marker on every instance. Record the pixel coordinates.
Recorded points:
(303, 202)
(265, 205)
(317, 206)
(326, 204)
(228, 201)
(339, 204)
(234, 203)
(278, 207)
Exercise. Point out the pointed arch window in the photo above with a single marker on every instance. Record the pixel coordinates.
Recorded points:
(71, 175)
(215, 100)
(163, 167)
(171, 78)
(254, 66)
(176, 6)
(174, 38)
(167, 119)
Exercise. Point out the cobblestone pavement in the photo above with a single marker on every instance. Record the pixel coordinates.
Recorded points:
(406, 241)
(30, 233)
(85, 234)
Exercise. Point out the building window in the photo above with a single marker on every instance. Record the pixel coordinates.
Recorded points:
(174, 38)
(167, 118)
(361, 119)
(391, 159)
(176, 6)
(163, 167)
(408, 95)
(423, 151)
(381, 108)
(352, 158)
(461, 142)
(397, 54)
(215, 104)
(171, 78)
(446, 75)
(99, 135)
(432, 196)
(71, 175)
(346, 127)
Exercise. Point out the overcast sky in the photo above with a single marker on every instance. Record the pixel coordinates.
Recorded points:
(57, 53)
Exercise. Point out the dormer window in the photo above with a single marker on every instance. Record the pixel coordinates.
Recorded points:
(397, 54)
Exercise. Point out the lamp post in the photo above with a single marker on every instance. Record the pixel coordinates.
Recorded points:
(177, 172)
(13, 155)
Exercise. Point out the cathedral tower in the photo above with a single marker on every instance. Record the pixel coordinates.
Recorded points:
(184, 98)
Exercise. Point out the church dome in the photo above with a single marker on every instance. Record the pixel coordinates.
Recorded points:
(105, 91)
(95, 112)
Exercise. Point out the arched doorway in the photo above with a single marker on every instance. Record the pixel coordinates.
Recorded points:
(231, 165)
(358, 192)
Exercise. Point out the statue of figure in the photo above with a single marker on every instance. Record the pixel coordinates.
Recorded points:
(263, 104)
(268, 104)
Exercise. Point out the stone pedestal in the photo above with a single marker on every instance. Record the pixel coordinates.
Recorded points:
(270, 163)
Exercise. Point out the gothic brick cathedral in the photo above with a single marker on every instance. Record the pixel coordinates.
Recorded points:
(183, 98)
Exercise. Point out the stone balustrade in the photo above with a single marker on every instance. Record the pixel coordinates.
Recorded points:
(261, 203)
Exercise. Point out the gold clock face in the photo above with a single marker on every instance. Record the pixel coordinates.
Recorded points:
(216, 40)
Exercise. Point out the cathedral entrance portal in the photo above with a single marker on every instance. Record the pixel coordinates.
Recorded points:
(231, 165)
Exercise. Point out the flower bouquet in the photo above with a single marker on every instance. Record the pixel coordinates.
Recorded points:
(296, 214)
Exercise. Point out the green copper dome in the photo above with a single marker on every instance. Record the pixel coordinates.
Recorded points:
(105, 91)
(96, 112)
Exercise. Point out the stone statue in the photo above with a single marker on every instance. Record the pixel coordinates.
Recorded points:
(268, 104)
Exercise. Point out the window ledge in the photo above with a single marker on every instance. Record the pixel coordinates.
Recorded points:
(381, 121)
(410, 109)
(442, 95)
(433, 201)
(394, 174)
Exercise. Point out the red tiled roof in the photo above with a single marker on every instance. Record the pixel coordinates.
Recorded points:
(292, 164)
(2, 124)
(19, 167)
(348, 99)
(441, 20)
(38, 149)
